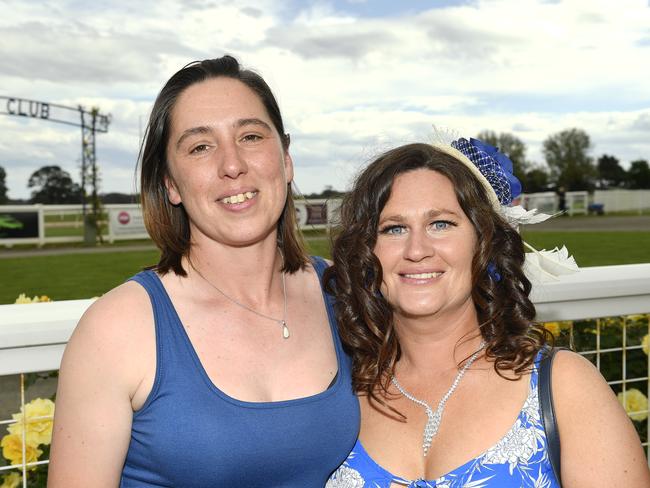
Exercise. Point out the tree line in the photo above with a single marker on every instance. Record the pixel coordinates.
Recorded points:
(53, 185)
(568, 165)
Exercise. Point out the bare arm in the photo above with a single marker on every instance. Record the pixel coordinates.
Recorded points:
(99, 374)
(600, 446)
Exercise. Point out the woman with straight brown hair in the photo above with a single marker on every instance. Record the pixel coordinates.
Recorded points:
(221, 365)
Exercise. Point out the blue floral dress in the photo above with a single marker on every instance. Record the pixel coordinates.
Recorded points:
(519, 459)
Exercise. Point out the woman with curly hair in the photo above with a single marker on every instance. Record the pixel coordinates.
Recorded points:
(433, 306)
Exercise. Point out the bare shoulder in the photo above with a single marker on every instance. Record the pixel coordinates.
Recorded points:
(309, 275)
(571, 369)
(113, 327)
(128, 301)
(600, 446)
(579, 389)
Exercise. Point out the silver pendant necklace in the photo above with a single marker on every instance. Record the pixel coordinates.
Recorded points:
(282, 321)
(434, 418)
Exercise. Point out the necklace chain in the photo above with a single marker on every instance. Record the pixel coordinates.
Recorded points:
(282, 321)
(435, 417)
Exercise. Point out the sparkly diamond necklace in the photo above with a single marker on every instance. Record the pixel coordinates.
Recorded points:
(434, 418)
(282, 321)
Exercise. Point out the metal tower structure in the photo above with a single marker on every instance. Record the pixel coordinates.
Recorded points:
(91, 122)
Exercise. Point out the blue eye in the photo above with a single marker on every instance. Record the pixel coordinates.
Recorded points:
(393, 230)
(442, 225)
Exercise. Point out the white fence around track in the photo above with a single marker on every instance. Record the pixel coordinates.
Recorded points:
(124, 221)
(623, 200)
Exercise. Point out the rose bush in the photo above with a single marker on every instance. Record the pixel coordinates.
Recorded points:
(635, 404)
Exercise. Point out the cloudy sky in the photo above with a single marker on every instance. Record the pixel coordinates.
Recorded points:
(352, 77)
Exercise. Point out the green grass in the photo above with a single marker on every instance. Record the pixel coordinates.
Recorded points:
(596, 248)
(69, 276)
(63, 231)
(319, 246)
(86, 275)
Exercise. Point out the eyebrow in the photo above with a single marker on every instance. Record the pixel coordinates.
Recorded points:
(430, 214)
(204, 129)
(253, 121)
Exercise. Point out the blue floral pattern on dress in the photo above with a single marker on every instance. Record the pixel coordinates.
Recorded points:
(518, 460)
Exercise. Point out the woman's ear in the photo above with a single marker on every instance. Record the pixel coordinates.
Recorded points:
(173, 195)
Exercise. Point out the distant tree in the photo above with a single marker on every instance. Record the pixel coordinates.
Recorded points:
(567, 156)
(119, 198)
(610, 172)
(536, 180)
(328, 192)
(512, 146)
(639, 174)
(3, 187)
(53, 186)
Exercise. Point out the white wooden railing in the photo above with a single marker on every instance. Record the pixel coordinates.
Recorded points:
(33, 336)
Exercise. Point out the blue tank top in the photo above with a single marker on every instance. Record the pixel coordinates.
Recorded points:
(519, 459)
(190, 434)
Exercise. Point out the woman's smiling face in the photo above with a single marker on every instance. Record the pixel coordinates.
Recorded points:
(426, 246)
(227, 164)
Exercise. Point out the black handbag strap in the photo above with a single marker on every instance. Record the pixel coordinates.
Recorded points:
(545, 392)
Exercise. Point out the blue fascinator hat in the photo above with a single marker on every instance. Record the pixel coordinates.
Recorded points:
(495, 167)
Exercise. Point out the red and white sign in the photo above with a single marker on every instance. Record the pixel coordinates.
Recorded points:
(127, 223)
(123, 217)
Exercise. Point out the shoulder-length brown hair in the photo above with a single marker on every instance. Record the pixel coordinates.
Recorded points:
(506, 314)
(168, 224)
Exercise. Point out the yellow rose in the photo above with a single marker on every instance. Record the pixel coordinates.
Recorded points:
(645, 344)
(22, 298)
(12, 480)
(556, 327)
(12, 449)
(553, 328)
(634, 401)
(39, 413)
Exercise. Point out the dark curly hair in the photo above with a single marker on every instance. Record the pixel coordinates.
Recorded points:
(505, 313)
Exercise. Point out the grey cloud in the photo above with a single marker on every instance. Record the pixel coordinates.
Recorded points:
(77, 52)
(458, 41)
(243, 5)
(200, 4)
(592, 18)
(642, 122)
(252, 12)
(521, 127)
(330, 42)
